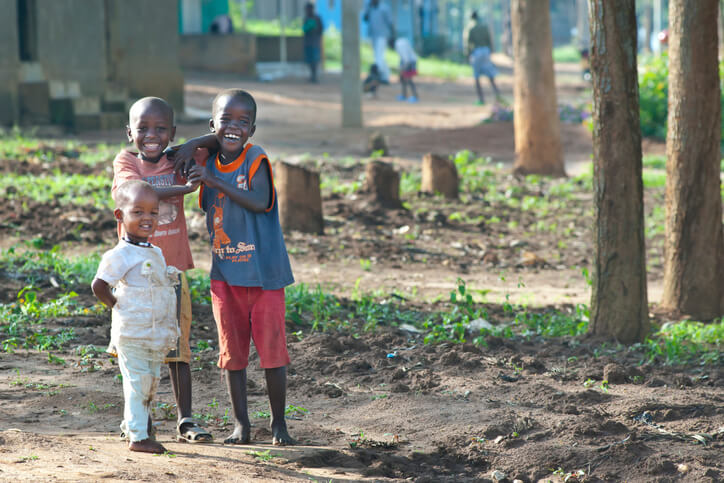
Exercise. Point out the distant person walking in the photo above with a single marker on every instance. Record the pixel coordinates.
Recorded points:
(408, 69)
(381, 30)
(479, 50)
(313, 31)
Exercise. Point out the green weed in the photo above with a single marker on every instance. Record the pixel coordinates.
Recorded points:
(20, 321)
(686, 341)
(199, 286)
(304, 304)
(566, 53)
(262, 455)
(292, 411)
(35, 263)
(24, 459)
(261, 414)
(67, 189)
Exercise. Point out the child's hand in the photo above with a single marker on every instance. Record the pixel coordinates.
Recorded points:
(182, 157)
(198, 174)
(192, 185)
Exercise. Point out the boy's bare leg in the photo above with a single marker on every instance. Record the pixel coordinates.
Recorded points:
(478, 88)
(276, 384)
(413, 89)
(236, 384)
(180, 374)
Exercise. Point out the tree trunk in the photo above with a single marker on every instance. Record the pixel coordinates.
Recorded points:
(619, 306)
(382, 181)
(299, 198)
(694, 245)
(538, 147)
(439, 175)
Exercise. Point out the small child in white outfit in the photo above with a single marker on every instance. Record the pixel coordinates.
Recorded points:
(134, 280)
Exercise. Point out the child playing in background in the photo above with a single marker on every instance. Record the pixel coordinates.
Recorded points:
(151, 128)
(479, 48)
(408, 69)
(143, 320)
(372, 81)
(250, 266)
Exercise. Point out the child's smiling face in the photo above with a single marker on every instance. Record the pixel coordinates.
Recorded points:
(150, 129)
(233, 123)
(139, 215)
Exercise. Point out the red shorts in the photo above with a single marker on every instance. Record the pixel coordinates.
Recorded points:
(245, 313)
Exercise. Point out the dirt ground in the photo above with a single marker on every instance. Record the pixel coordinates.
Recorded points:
(379, 406)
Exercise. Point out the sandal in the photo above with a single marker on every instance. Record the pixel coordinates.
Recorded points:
(192, 432)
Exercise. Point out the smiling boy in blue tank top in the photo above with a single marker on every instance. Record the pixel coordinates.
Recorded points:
(250, 266)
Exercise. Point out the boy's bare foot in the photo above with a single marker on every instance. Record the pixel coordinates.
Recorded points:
(280, 435)
(147, 446)
(241, 435)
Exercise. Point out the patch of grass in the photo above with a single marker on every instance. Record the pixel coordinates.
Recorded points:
(410, 182)
(20, 326)
(685, 342)
(261, 414)
(292, 411)
(654, 161)
(453, 324)
(25, 459)
(311, 308)
(262, 455)
(654, 179)
(67, 189)
(199, 286)
(34, 264)
(332, 184)
(566, 53)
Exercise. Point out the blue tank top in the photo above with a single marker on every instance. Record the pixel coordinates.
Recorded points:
(247, 248)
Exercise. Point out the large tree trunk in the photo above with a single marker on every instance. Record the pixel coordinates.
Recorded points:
(619, 306)
(538, 147)
(694, 246)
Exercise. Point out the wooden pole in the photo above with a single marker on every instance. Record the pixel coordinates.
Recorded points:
(351, 88)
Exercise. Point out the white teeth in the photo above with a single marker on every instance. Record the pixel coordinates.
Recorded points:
(231, 136)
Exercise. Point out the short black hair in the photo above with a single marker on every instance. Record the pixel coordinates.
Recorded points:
(126, 192)
(155, 102)
(474, 15)
(239, 94)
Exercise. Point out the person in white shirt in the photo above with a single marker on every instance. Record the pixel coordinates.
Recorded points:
(135, 282)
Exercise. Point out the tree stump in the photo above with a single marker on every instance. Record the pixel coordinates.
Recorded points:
(377, 144)
(299, 198)
(439, 175)
(382, 181)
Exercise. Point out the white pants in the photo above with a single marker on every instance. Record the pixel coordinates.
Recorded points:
(141, 371)
(379, 45)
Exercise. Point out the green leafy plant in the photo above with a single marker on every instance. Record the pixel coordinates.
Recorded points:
(262, 455)
(654, 92)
